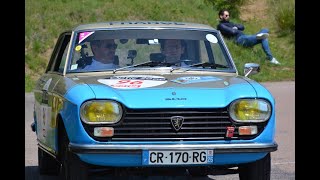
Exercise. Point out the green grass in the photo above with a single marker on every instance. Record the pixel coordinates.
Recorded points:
(46, 19)
(28, 83)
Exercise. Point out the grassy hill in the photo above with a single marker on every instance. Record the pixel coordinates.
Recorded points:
(46, 19)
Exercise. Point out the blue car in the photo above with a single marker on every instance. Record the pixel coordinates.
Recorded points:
(148, 95)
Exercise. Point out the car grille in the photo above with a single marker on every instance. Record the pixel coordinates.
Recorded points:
(155, 125)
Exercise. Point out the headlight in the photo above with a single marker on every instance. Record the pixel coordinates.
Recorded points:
(250, 110)
(101, 112)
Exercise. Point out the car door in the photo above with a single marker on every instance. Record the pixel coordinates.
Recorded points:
(45, 98)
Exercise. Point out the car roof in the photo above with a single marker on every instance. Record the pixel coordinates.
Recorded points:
(143, 25)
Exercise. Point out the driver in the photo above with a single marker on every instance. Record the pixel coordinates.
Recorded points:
(104, 54)
(173, 50)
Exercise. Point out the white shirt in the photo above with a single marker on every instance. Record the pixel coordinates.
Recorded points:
(96, 65)
(183, 64)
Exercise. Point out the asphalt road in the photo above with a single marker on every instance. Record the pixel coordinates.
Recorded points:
(282, 162)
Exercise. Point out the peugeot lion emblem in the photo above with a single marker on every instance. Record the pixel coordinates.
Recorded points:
(177, 122)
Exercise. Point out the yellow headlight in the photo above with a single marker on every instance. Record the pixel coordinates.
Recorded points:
(250, 110)
(101, 112)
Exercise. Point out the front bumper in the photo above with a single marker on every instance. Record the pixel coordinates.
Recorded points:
(131, 155)
(218, 148)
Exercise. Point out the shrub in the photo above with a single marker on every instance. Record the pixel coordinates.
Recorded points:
(284, 14)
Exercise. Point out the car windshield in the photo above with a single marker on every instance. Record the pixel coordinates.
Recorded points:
(144, 49)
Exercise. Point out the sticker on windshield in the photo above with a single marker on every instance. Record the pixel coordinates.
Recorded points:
(78, 48)
(153, 41)
(74, 66)
(84, 35)
(133, 81)
(211, 38)
(195, 79)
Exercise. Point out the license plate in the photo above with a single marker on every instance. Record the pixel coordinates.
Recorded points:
(162, 157)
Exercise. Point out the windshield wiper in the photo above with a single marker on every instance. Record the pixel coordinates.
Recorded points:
(148, 63)
(207, 64)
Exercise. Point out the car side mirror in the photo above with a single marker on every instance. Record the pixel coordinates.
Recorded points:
(131, 55)
(251, 68)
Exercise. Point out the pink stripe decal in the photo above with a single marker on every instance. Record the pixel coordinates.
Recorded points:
(84, 35)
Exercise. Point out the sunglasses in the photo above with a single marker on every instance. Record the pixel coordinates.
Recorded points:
(173, 47)
(109, 46)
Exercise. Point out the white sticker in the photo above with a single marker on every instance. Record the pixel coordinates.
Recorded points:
(211, 38)
(195, 79)
(74, 66)
(46, 114)
(133, 81)
(153, 41)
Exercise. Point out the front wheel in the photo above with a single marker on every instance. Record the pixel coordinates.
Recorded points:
(258, 170)
(72, 167)
(47, 164)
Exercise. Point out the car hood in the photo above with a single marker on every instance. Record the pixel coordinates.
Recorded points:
(167, 91)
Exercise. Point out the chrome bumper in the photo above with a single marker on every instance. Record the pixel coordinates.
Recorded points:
(218, 148)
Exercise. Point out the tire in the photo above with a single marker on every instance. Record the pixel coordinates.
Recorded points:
(258, 170)
(198, 171)
(47, 164)
(72, 167)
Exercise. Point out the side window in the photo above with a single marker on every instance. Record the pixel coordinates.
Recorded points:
(64, 58)
(59, 55)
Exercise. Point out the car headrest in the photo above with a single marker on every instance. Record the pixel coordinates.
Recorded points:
(157, 57)
(116, 60)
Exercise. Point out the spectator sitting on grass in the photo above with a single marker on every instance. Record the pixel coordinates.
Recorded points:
(232, 30)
